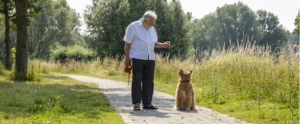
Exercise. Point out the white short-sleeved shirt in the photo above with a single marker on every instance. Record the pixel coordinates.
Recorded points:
(142, 41)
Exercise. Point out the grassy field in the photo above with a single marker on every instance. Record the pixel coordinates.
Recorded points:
(247, 82)
(54, 99)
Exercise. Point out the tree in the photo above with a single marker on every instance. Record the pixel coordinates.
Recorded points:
(205, 33)
(236, 22)
(137, 9)
(106, 22)
(172, 25)
(230, 24)
(7, 8)
(297, 24)
(2, 46)
(178, 27)
(56, 25)
(108, 19)
(273, 33)
(21, 54)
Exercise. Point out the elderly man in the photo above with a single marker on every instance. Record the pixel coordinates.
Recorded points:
(140, 40)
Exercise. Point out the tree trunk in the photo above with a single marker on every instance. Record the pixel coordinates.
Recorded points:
(8, 63)
(21, 53)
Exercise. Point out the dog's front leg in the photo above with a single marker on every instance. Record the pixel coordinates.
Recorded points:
(178, 100)
(193, 107)
(189, 101)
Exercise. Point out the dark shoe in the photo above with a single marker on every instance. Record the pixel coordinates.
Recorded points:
(136, 107)
(150, 107)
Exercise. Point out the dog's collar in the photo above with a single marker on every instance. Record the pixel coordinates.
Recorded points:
(185, 81)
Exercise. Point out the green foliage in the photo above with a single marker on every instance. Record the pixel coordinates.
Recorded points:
(273, 34)
(175, 29)
(32, 75)
(1, 41)
(107, 20)
(10, 4)
(204, 33)
(297, 24)
(76, 53)
(2, 44)
(235, 24)
(230, 24)
(293, 38)
(137, 9)
(8, 9)
(57, 24)
(1, 68)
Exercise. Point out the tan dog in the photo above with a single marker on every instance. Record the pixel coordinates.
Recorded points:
(185, 99)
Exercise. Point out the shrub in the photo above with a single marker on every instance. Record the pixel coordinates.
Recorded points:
(76, 53)
(1, 68)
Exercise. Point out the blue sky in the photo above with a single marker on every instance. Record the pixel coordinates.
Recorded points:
(286, 10)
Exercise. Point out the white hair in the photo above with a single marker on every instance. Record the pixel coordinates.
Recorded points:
(149, 15)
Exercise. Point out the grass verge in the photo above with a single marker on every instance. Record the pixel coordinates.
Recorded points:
(55, 99)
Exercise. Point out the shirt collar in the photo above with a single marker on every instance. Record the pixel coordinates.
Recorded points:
(140, 22)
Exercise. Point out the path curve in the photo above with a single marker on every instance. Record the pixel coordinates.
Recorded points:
(118, 94)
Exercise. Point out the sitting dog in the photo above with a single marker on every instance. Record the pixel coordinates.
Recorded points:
(185, 99)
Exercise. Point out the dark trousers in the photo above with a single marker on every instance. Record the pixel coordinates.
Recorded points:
(142, 81)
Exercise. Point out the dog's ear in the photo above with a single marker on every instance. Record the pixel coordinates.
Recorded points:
(180, 72)
(191, 71)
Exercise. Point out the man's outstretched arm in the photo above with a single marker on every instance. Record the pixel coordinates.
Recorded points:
(162, 45)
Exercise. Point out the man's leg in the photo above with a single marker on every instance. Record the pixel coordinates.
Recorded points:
(136, 91)
(148, 77)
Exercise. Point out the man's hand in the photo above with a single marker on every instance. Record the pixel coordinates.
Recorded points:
(127, 62)
(166, 44)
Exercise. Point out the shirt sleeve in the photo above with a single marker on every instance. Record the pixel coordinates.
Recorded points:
(129, 34)
(155, 35)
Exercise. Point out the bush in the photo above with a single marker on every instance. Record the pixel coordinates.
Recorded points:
(1, 68)
(76, 53)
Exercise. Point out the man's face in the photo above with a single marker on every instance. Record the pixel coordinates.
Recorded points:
(149, 23)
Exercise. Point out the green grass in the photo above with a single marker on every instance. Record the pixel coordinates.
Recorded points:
(254, 86)
(246, 82)
(55, 99)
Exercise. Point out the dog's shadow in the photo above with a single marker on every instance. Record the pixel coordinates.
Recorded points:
(189, 111)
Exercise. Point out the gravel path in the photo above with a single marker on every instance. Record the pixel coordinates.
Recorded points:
(119, 96)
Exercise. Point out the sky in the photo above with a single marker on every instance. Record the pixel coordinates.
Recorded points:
(286, 10)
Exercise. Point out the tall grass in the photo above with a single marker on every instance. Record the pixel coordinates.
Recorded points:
(245, 81)
(248, 77)
(78, 66)
(103, 68)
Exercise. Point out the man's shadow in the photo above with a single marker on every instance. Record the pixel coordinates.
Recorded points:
(154, 113)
